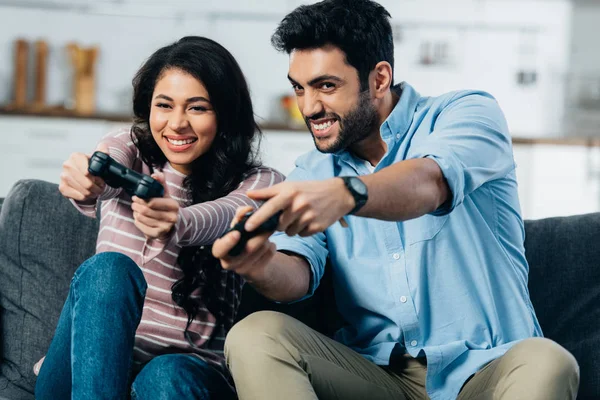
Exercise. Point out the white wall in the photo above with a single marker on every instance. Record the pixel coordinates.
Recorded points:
(487, 40)
(583, 96)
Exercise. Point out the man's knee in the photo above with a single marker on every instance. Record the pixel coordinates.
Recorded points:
(255, 331)
(548, 362)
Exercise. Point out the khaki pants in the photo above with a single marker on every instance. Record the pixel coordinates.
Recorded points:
(273, 356)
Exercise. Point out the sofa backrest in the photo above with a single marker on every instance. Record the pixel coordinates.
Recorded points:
(564, 285)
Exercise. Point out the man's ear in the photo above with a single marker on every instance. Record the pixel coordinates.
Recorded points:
(383, 77)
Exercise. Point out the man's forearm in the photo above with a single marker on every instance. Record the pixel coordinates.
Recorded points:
(286, 278)
(405, 190)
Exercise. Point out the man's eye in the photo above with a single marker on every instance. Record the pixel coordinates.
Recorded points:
(327, 85)
(296, 88)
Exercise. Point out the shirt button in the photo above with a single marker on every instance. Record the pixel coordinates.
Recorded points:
(403, 299)
(413, 343)
(398, 136)
(396, 256)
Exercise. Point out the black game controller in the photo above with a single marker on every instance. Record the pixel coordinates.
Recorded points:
(118, 176)
(268, 226)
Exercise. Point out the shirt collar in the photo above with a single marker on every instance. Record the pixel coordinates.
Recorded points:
(397, 123)
(399, 120)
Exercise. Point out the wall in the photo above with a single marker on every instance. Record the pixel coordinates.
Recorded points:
(488, 43)
(583, 96)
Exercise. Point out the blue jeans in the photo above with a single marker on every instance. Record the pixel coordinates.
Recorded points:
(90, 356)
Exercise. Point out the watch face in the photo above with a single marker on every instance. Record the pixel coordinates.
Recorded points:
(359, 186)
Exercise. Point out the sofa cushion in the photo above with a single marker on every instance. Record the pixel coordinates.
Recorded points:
(43, 239)
(564, 284)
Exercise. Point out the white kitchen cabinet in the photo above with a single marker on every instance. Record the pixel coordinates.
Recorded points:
(36, 147)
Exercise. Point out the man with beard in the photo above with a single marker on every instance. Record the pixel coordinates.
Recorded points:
(430, 274)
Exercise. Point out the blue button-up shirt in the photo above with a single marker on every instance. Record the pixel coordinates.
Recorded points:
(450, 285)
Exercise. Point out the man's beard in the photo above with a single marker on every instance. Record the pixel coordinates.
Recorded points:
(357, 125)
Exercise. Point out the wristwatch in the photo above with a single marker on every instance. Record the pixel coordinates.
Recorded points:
(358, 190)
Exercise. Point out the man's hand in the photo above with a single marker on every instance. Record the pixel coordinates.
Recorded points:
(251, 263)
(76, 182)
(155, 217)
(308, 207)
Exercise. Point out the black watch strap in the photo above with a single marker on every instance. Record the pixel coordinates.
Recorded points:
(358, 190)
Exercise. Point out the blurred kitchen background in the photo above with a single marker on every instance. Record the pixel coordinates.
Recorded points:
(66, 69)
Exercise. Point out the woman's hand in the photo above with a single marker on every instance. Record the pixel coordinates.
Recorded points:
(76, 182)
(156, 217)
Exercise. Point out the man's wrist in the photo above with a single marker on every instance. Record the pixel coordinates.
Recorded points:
(348, 201)
(357, 190)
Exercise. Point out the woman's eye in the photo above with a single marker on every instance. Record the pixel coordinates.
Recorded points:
(198, 108)
(163, 105)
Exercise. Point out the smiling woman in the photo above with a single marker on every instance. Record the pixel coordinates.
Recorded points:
(182, 120)
(150, 311)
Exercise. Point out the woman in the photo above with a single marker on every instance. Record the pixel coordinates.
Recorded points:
(148, 314)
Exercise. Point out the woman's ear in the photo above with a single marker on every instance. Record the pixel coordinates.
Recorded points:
(384, 78)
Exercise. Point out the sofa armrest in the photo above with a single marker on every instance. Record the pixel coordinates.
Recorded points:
(43, 239)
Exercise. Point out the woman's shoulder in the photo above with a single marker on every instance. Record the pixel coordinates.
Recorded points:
(263, 170)
(121, 133)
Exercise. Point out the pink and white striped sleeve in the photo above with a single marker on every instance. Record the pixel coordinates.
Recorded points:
(123, 150)
(203, 223)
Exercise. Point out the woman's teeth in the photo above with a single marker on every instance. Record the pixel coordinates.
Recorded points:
(181, 142)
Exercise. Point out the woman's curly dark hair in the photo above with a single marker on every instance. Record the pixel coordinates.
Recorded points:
(215, 173)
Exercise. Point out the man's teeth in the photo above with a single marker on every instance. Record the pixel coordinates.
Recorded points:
(181, 142)
(323, 126)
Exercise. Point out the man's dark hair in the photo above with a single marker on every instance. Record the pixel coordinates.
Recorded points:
(360, 28)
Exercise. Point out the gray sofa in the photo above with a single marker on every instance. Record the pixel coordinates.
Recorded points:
(43, 239)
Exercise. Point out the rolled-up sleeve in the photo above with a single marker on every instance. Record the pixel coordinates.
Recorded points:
(470, 143)
(312, 248)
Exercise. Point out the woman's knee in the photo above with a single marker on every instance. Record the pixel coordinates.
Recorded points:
(110, 275)
(171, 376)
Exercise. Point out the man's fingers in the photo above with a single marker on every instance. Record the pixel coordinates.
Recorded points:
(264, 193)
(250, 258)
(222, 246)
(299, 225)
(265, 211)
(239, 213)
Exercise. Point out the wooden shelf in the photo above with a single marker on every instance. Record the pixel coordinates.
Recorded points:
(59, 112)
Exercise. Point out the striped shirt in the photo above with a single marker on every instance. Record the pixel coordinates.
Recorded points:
(162, 326)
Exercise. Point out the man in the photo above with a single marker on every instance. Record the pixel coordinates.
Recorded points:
(429, 275)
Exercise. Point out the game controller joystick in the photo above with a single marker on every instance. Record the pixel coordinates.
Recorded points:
(268, 226)
(118, 176)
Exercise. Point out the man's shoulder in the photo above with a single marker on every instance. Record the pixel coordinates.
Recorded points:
(456, 98)
(316, 164)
